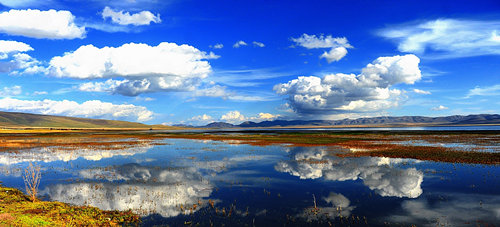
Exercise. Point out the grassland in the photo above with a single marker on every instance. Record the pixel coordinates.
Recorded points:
(16, 209)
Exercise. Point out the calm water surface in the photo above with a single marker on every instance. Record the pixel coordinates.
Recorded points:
(186, 182)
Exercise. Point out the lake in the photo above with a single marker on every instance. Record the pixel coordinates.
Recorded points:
(181, 182)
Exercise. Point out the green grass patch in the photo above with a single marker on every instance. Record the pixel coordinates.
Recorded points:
(16, 209)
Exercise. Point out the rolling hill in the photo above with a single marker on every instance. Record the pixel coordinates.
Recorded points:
(26, 120)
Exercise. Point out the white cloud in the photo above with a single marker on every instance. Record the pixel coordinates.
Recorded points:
(38, 24)
(16, 62)
(335, 54)
(447, 38)
(485, 91)
(258, 44)
(338, 45)
(267, 116)
(233, 117)
(369, 91)
(217, 46)
(321, 41)
(201, 119)
(418, 91)
(11, 91)
(239, 44)
(144, 68)
(376, 173)
(25, 64)
(7, 47)
(124, 18)
(88, 109)
(438, 108)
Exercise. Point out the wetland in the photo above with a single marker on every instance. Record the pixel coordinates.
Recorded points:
(263, 178)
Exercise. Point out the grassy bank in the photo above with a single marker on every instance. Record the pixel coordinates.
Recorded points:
(16, 209)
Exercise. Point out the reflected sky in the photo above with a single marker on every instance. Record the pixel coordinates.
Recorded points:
(178, 181)
(144, 190)
(376, 173)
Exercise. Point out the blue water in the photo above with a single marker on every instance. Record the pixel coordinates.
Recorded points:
(207, 182)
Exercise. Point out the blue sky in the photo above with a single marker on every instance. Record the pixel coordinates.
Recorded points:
(194, 62)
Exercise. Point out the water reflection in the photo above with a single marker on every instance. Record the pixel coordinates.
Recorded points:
(145, 190)
(340, 207)
(51, 154)
(376, 173)
(453, 209)
(254, 186)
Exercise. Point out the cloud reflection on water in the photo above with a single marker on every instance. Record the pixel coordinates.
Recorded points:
(376, 173)
(145, 190)
(52, 154)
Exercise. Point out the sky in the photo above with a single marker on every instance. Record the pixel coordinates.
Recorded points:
(195, 62)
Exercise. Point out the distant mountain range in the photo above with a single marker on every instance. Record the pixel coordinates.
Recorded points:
(373, 121)
(27, 120)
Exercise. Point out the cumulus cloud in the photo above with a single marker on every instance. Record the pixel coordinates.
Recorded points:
(38, 24)
(266, 117)
(125, 18)
(418, 91)
(376, 173)
(368, 91)
(447, 38)
(144, 68)
(16, 62)
(144, 190)
(484, 91)
(217, 46)
(88, 109)
(338, 45)
(239, 44)
(258, 44)
(438, 108)
(335, 54)
(233, 117)
(10, 91)
(201, 119)
(7, 47)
